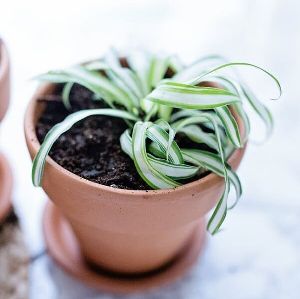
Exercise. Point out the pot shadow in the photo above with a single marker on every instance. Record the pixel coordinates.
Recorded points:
(68, 287)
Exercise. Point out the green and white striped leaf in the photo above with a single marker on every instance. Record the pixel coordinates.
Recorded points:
(184, 113)
(203, 119)
(199, 78)
(176, 172)
(263, 112)
(66, 95)
(155, 150)
(154, 178)
(165, 112)
(233, 87)
(92, 80)
(96, 65)
(238, 107)
(161, 137)
(199, 67)
(220, 210)
(228, 150)
(175, 64)
(230, 125)
(184, 96)
(125, 78)
(213, 163)
(196, 134)
(245, 94)
(126, 143)
(60, 128)
(114, 75)
(219, 213)
(140, 62)
(157, 70)
(198, 120)
(190, 113)
(166, 126)
(150, 109)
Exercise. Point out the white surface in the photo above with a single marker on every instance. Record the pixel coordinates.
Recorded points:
(258, 254)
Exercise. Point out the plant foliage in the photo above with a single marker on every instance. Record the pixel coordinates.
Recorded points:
(197, 101)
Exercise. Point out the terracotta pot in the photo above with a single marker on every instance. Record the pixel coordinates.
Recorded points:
(5, 189)
(125, 231)
(5, 172)
(4, 80)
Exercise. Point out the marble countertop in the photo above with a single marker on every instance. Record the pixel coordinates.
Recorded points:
(257, 256)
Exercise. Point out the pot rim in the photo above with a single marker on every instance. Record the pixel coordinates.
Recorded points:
(3, 60)
(30, 134)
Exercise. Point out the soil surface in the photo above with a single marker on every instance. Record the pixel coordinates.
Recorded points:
(91, 148)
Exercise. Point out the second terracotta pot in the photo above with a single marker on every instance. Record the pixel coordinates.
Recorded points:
(4, 79)
(125, 231)
(5, 172)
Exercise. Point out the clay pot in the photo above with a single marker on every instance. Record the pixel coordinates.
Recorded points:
(126, 231)
(5, 189)
(4, 80)
(5, 172)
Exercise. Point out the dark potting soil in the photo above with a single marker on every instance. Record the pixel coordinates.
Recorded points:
(91, 148)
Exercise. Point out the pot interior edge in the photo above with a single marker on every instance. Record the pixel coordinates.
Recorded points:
(37, 107)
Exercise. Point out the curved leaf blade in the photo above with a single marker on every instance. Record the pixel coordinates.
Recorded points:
(174, 171)
(66, 95)
(213, 163)
(149, 174)
(184, 96)
(92, 80)
(196, 134)
(60, 128)
(198, 79)
(198, 67)
(162, 138)
(230, 125)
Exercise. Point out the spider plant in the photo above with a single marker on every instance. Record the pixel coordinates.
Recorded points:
(156, 108)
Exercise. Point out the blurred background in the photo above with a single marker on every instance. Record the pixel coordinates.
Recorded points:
(258, 253)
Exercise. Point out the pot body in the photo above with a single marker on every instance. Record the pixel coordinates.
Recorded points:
(126, 231)
(5, 172)
(6, 181)
(4, 80)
